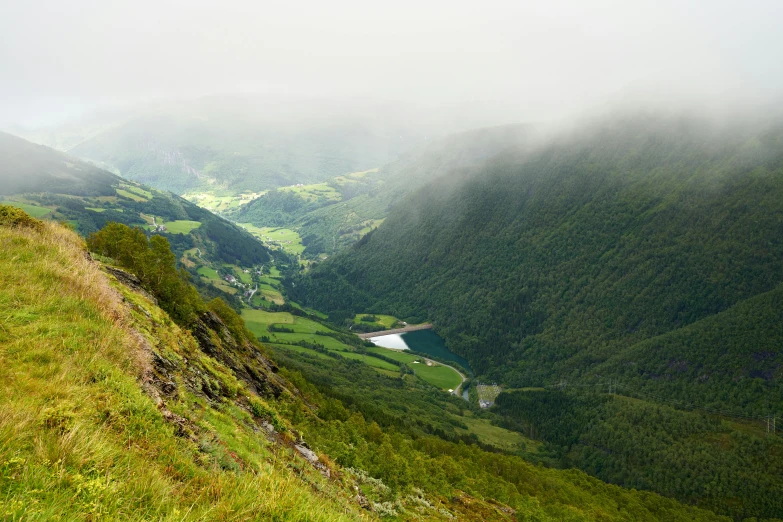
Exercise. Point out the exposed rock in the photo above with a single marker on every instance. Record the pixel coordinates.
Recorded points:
(129, 280)
(312, 458)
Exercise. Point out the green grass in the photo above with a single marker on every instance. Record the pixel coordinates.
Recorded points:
(258, 320)
(499, 437)
(299, 349)
(283, 238)
(438, 375)
(181, 226)
(371, 361)
(271, 294)
(80, 440)
(137, 190)
(96, 209)
(33, 210)
(384, 321)
(397, 355)
(130, 195)
(329, 343)
(441, 376)
(314, 192)
(209, 273)
(221, 203)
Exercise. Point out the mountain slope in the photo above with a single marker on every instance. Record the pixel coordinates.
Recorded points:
(98, 400)
(110, 411)
(54, 185)
(543, 264)
(362, 200)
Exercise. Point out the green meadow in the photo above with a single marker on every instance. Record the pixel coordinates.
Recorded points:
(181, 226)
(33, 210)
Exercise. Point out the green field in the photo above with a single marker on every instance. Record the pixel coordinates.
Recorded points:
(209, 273)
(34, 210)
(441, 376)
(438, 375)
(258, 320)
(271, 294)
(137, 190)
(314, 192)
(384, 322)
(499, 437)
(300, 349)
(216, 203)
(371, 361)
(181, 226)
(130, 195)
(96, 209)
(389, 369)
(283, 238)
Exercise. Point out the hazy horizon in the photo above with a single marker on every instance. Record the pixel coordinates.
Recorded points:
(476, 64)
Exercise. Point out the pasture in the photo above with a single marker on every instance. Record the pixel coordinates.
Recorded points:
(33, 210)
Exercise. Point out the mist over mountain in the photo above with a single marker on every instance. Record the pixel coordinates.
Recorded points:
(539, 264)
(333, 261)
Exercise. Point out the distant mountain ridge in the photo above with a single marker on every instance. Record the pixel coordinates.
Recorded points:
(235, 144)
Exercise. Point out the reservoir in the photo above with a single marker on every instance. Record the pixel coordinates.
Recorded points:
(423, 341)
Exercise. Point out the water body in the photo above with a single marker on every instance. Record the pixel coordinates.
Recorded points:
(393, 341)
(424, 341)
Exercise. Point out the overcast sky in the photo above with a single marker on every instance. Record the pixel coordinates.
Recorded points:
(518, 60)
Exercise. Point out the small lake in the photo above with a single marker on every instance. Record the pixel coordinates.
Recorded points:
(423, 341)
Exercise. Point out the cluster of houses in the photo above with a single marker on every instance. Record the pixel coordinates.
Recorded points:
(248, 292)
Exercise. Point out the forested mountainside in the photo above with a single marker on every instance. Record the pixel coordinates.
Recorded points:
(335, 214)
(113, 411)
(232, 144)
(51, 184)
(555, 263)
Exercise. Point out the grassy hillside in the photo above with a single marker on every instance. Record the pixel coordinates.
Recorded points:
(50, 184)
(111, 411)
(545, 265)
(102, 418)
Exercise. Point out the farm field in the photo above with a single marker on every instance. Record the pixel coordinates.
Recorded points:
(441, 376)
(181, 226)
(137, 190)
(34, 210)
(258, 320)
(209, 273)
(314, 192)
(283, 238)
(383, 321)
(131, 195)
(217, 203)
(271, 294)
